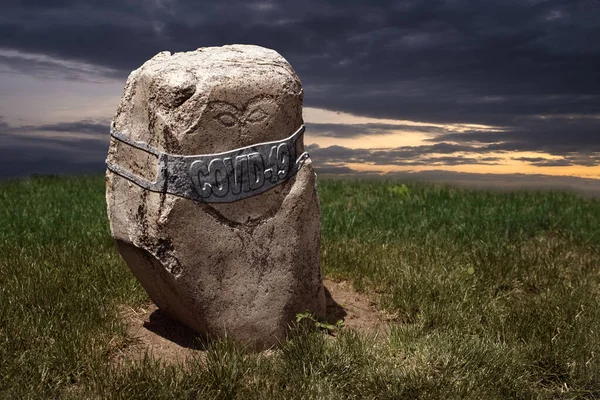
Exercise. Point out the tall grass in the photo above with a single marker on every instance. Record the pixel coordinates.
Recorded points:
(493, 295)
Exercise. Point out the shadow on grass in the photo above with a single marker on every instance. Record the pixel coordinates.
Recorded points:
(335, 311)
(161, 324)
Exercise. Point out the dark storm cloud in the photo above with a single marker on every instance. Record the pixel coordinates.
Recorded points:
(484, 61)
(400, 156)
(557, 136)
(440, 154)
(114, 34)
(25, 150)
(340, 153)
(530, 159)
(588, 160)
(500, 63)
(542, 162)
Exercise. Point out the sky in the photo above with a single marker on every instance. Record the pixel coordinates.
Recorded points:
(490, 91)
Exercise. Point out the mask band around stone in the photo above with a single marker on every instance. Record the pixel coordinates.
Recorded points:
(219, 178)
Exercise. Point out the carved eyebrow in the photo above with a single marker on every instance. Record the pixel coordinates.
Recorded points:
(260, 99)
(223, 106)
(255, 113)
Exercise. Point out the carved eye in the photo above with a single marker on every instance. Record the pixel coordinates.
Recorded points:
(226, 119)
(257, 115)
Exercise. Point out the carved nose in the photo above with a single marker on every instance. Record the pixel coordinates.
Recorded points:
(248, 130)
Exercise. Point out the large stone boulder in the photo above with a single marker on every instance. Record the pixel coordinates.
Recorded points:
(241, 263)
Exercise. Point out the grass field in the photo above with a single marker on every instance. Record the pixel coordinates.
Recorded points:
(494, 295)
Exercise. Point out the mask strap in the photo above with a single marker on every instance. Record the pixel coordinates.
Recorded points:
(174, 170)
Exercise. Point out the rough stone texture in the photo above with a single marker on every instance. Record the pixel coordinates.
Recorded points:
(245, 268)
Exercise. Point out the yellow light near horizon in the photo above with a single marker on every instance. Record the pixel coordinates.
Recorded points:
(395, 139)
(521, 168)
(322, 116)
(405, 137)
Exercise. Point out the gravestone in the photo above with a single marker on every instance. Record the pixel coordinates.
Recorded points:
(212, 200)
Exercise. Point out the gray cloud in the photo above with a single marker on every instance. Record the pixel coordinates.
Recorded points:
(589, 160)
(355, 130)
(487, 62)
(49, 68)
(94, 128)
(75, 127)
(555, 135)
(429, 155)
(23, 152)
(400, 156)
(465, 53)
(544, 162)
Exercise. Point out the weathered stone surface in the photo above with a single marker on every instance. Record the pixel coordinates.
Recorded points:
(243, 268)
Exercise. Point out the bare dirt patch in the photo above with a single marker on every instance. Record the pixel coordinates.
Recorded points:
(162, 338)
(356, 309)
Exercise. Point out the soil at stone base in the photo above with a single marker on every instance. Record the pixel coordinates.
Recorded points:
(169, 341)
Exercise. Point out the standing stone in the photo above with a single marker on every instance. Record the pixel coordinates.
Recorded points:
(241, 265)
